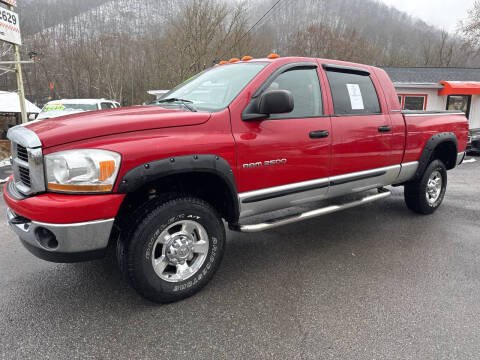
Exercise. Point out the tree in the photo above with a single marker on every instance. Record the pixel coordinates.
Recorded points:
(471, 29)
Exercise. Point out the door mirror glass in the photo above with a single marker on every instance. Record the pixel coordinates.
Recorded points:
(276, 102)
(32, 117)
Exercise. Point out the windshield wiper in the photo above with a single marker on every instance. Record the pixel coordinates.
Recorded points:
(184, 102)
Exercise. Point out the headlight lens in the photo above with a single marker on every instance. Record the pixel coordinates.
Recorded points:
(84, 171)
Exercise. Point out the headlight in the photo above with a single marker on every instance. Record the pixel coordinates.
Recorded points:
(82, 171)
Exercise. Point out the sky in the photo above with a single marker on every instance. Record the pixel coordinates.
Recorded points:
(443, 14)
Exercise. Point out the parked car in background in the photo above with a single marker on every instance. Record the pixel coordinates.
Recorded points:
(62, 107)
(473, 145)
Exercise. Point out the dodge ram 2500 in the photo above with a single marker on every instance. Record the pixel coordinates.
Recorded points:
(236, 144)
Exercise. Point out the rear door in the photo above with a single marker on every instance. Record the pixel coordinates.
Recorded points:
(361, 131)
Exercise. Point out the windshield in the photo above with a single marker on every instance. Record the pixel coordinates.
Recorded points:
(214, 89)
(68, 107)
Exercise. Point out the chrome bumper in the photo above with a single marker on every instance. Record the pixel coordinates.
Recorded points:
(62, 238)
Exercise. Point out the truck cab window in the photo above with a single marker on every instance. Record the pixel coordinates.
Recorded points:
(353, 94)
(305, 88)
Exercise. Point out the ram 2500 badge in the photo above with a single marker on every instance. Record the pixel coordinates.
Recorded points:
(234, 144)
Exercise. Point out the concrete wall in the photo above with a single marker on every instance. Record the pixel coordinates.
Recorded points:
(435, 102)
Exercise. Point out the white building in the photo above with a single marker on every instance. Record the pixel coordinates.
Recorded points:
(426, 88)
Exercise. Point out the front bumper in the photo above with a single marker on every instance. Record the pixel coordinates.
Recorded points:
(62, 242)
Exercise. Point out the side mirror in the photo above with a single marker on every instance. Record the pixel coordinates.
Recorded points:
(270, 102)
(276, 102)
(32, 117)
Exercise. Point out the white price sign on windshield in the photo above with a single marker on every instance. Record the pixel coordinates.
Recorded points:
(10, 27)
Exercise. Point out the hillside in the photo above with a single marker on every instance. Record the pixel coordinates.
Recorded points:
(121, 48)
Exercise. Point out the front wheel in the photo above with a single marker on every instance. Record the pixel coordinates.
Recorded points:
(175, 250)
(425, 195)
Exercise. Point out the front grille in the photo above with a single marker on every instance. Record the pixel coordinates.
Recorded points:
(24, 175)
(22, 153)
(27, 160)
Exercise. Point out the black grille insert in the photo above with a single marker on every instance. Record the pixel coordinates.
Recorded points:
(22, 153)
(24, 175)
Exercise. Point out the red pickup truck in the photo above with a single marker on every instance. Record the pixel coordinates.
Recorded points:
(238, 144)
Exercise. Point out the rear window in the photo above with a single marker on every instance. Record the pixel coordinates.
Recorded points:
(353, 94)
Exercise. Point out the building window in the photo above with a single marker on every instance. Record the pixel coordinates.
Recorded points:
(413, 101)
(459, 102)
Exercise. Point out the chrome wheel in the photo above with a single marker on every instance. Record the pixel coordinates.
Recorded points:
(434, 187)
(180, 251)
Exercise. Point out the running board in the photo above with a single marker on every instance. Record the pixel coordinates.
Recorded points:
(271, 224)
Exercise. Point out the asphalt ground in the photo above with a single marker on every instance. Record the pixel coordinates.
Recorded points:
(373, 282)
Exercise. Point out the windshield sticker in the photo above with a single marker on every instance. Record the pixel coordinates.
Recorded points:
(53, 107)
(355, 94)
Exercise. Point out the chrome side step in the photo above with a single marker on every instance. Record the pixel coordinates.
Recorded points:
(271, 224)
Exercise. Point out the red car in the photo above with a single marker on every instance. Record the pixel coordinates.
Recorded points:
(237, 140)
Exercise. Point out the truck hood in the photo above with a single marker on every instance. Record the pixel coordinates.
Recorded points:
(92, 124)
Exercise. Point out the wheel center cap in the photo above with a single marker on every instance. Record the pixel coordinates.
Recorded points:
(179, 249)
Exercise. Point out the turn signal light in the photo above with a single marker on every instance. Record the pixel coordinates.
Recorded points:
(106, 169)
(273, 56)
(79, 188)
(234, 60)
(247, 58)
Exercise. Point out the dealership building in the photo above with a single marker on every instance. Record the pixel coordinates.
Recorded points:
(430, 88)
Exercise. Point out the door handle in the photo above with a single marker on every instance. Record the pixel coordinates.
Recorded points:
(318, 134)
(385, 128)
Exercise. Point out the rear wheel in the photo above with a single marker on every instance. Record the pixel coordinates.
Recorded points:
(425, 195)
(175, 250)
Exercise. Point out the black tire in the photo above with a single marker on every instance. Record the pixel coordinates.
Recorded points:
(415, 192)
(136, 250)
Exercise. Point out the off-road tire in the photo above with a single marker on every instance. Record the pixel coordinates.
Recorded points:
(134, 250)
(415, 191)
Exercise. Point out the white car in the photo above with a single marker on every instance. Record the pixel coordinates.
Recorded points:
(62, 107)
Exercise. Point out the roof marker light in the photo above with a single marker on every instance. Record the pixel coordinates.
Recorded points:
(273, 56)
(247, 58)
(223, 62)
(234, 60)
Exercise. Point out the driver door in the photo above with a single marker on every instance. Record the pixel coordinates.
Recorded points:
(285, 159)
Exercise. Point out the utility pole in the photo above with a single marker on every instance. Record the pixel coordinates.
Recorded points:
(10, 33)
(18, 67)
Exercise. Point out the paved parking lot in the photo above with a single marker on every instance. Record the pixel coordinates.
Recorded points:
(374, 282)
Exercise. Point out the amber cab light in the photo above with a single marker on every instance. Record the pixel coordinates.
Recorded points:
(223, 62)
(234, 60)
(273, 56)
(247, 58)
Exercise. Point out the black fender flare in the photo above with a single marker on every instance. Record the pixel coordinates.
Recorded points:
(145, 173)
(429, 149)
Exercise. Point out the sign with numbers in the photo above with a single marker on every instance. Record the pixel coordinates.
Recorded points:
(9, 2)
(10, 27)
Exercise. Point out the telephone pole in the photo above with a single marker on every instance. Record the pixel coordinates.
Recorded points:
(18, 68)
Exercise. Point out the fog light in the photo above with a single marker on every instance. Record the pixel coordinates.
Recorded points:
(46, 238)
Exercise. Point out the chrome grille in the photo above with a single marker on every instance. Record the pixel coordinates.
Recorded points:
(27, 160)
(22, 153)
(24, 175)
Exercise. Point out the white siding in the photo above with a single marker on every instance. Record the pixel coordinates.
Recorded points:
(435, 102)
(475, 112)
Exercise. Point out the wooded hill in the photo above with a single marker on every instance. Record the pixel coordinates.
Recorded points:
(120, 48)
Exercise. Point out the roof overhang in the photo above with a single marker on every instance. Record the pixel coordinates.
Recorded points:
(412, 85)
(459, 88)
